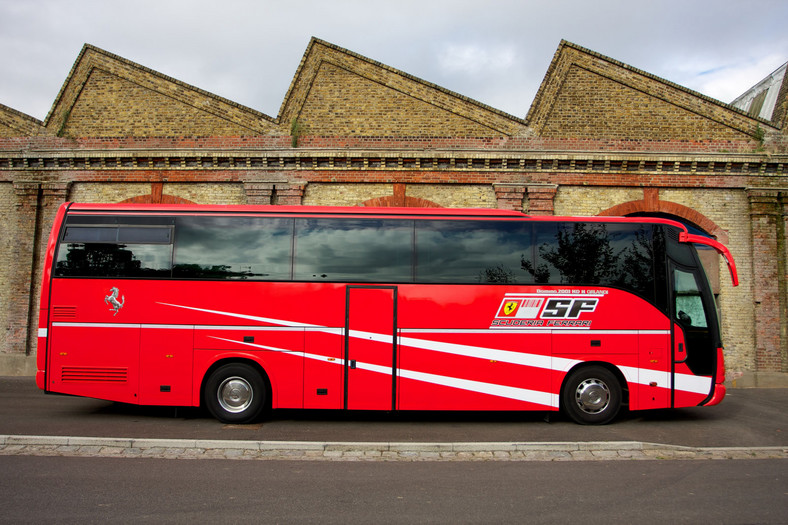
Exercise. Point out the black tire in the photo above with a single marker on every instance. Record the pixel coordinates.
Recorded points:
(591, 395)
(235, 393)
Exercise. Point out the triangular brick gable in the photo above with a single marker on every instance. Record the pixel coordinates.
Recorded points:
(586, 95)
(16, 124)
(339, 93)
(108, 96)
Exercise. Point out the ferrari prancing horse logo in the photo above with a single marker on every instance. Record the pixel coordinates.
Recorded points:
(510, 307)
(112, 300)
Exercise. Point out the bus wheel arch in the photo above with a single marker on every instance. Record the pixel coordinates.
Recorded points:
(236, 390)
(593, 393)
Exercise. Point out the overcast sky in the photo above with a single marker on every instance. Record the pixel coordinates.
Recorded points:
(494, 51)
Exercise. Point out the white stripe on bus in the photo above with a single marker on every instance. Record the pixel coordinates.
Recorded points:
(510, 392)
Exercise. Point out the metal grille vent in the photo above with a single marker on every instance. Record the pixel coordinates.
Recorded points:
(64, 312)
(77, 374)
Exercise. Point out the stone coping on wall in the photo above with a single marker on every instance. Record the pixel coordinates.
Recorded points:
(119, 160)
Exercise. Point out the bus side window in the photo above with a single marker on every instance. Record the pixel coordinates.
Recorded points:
(233, 248)
(354, 250)
(496, 252)
(689, 303)
(115, 251)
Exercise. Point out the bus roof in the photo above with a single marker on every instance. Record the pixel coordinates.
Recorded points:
(344, 210)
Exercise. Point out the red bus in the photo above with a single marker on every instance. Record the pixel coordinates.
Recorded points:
(243, 308)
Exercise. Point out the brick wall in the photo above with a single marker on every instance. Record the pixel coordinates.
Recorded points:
(9, 267)
(138, 111)
(343, 103)
(109, 96)
(621, 112)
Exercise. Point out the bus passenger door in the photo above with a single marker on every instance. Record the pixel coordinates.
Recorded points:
(370, 347)
(694, 335)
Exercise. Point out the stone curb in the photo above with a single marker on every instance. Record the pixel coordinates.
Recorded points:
(354, 451)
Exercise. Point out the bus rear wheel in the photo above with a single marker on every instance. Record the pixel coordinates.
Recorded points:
(591, 396)
(235, 393)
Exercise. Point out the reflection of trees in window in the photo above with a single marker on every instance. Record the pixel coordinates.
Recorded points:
(498, 274)
(602, 254)
(216, 271)
(111, 260)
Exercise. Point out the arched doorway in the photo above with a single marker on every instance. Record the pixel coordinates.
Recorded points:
(156, 196)
(399, 199)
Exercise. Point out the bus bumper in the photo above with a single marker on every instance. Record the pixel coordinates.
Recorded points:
(41, 379)
(719, 385)
(719, 394)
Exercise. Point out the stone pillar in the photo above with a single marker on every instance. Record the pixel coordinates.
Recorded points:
(541, 199)
(21, 274)
(767, 218)
(784, 283)
(509, 196)
(289, 194)
(53, 194)
(258, 193)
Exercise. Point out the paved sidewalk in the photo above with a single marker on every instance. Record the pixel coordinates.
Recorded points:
(325, 451)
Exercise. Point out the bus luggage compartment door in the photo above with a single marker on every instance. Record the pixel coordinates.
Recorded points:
(370, 347)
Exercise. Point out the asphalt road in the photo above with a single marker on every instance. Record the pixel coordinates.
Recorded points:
(746, 418)
(111, 490)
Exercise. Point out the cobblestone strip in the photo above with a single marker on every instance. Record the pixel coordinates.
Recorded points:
(318, 451)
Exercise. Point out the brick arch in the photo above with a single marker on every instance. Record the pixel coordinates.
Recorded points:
(156, 196)
(652, 205)
(399, 199)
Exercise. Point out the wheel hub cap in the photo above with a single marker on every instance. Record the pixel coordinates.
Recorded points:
(235, 394)
(592, 396)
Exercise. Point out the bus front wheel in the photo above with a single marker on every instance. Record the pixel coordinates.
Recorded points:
(591, 395)
(235, 393)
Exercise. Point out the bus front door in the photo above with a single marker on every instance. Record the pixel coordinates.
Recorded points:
(370, 347)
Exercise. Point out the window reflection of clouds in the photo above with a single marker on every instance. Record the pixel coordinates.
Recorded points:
(360, 250)
(467, 251)
(234, 246)
(152, 256)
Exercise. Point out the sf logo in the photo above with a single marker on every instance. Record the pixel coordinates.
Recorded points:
(567, 308)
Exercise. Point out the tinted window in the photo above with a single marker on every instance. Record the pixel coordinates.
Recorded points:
(607, 254)
(233, 248)
(131, 234)
(473, 251)
(113, 260)
(369, 250)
